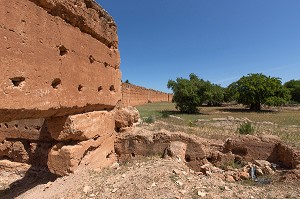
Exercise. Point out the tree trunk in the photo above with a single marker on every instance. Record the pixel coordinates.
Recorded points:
(255, 107)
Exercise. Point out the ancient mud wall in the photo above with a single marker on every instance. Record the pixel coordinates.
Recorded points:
(57, 57)
(133, 95)
(59, 83)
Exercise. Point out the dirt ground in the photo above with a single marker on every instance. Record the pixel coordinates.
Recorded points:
(146, 177)
(150, 177)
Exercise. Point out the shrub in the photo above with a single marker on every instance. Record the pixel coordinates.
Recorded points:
(149, 120)
(165, 114)
(246, 128)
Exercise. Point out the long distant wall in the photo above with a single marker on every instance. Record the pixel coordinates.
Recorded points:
(133, 95)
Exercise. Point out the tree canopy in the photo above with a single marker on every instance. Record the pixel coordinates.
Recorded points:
(127, 81)
(193, 92)
(257, 89)
(294, 88)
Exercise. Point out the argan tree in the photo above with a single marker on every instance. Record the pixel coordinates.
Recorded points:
(257, 89)
(193, 92)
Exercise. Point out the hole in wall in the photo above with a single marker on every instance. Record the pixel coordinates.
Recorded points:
(6, 125)
(55, 83)
(240, 151)
(62, 50)
(105, 64)
(88, 4)
(17, 81)
(92, 59)
(16, 126)
(112, 88)
(25, 127)
(187, 158)
(100, 88)
(132, 155)
(209, 159)
(80, 88)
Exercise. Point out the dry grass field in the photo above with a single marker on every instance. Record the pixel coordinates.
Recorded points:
(221, 122)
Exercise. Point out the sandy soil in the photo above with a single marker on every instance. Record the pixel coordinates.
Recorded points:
(150, 177)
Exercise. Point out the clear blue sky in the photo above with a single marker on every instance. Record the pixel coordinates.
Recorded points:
(218, 40)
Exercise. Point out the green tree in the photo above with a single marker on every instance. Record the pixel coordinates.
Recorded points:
(127, 81)
(294, 88)
(214, 94)
(186, 93)
(193, 92)
(230, 93)
(257, 89)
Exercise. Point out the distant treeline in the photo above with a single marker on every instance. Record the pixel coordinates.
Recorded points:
(253, 90)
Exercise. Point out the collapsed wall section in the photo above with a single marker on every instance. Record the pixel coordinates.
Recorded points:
(57, 58)
(133, 95)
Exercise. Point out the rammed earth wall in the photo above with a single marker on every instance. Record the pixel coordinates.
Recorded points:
(59, 83)
(133, 95)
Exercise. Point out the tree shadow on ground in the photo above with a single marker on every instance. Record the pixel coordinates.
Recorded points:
(169, 112)
(174, 112)
(245, 110)
(33, 177)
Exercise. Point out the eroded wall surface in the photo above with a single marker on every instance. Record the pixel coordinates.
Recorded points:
(133, 95)
(59, 83)
(57, 57)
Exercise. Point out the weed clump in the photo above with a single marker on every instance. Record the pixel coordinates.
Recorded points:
(165, 114)
(149, 120)
(246, 128)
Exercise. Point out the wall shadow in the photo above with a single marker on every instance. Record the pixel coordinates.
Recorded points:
(38, 173)
(33, 177)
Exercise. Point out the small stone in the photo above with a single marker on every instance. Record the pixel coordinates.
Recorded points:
(153, 184)
(178, 182)
(226, 188)
(190, 178)
(201, 194)
(244, 175)
(47, 185)
(267, 170)
(86, 189)
(230, 178)
(92, 195)
(114, 190)
(182, 192)
(123, 175)
(115, 165)
(176, 171)
(208, 173)
(230, 118)
(259, 171)
(262, 163)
